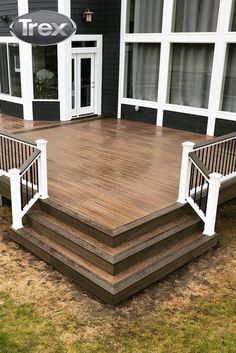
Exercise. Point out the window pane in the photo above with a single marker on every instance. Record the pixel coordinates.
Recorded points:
(233, 16)
(142, 71)
(45, 72)
(199, 16)
(4, 80)
(190, 75)
(229, 91)
(14, 65)
(144, 16)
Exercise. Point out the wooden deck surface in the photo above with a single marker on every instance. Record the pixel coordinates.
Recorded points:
(113, 172)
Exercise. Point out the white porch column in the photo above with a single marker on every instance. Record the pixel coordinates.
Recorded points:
(164, 60)
(218, 64)
(26, 69)
(64, 68)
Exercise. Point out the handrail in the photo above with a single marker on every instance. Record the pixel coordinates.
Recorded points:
(199, 164)
(9, 135)
(29, 161)
(215, 140)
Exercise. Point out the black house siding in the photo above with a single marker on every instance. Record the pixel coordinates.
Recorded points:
(46, 110)
(106, 21)
(187, 122)
(223, 127)
(144, 115)
(10, 108)
(35, 5)
(10, 9)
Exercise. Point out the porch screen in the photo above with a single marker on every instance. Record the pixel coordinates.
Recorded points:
(144, 16)
(196, 15)
(229, 89)
(142, 71)
(4, 79)
(190, 75)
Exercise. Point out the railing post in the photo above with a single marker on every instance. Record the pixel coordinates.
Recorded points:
(212, 203)
(185, 171)
(15, 198)
(43, 173)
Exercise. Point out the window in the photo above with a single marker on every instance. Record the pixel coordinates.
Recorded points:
(10, 78)
(199, 16)
(190, 74)
(229, 89)
(142, 71)
(45, 72)
(144, 16)
(233, 18)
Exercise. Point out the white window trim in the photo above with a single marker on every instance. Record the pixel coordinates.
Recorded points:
(220, 38)
(4, 96)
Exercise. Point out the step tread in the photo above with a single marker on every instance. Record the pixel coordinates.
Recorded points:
(124, 279)
(112, 255)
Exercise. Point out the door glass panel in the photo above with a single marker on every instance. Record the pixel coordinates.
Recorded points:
(85, 82)
(73, 83)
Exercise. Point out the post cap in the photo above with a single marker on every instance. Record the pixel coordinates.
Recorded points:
(41, 142)
(215, 176)
(188, 144)
(14, 171)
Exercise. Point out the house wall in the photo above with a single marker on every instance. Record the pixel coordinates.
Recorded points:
(106, 21)
(10, 9)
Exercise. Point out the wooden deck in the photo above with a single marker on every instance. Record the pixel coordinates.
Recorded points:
(112, 223)
(113, 172)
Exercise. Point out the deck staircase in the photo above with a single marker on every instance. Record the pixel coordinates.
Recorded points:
(113, 265)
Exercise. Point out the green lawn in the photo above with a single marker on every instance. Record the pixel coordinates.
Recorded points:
(191, 311)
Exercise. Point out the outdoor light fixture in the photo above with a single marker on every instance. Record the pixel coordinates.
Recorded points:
(5, 18)
(88, 15)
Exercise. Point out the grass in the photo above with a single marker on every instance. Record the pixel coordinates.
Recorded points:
(191, 311)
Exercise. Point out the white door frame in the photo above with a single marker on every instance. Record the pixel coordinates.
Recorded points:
(97, 52)
(78, 110)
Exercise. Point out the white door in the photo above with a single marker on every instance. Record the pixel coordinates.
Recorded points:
(83, 84)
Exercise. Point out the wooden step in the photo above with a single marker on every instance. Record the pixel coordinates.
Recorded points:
(113, 260)
(112, 289)
(119, 236)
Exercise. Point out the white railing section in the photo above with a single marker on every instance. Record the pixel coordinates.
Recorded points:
(205, 166)
(25, 164)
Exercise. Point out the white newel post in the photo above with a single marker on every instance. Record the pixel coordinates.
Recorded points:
(15, 198)
(185, 171)
(212, 203)
(43, 173)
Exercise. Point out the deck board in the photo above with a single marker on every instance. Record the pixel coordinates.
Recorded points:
(113, 172)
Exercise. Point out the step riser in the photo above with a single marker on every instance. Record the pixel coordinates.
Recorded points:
(142, 252)
(151, 225)
(83, 227)
(67, 243)
(164, 271)
(119, 239)
(155, 249)
(94, 288)
(63, 268)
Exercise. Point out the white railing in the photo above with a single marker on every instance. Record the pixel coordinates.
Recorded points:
(25, 164)
(205, 166)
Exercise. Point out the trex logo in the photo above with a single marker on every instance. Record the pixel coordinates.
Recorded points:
(43, 28)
